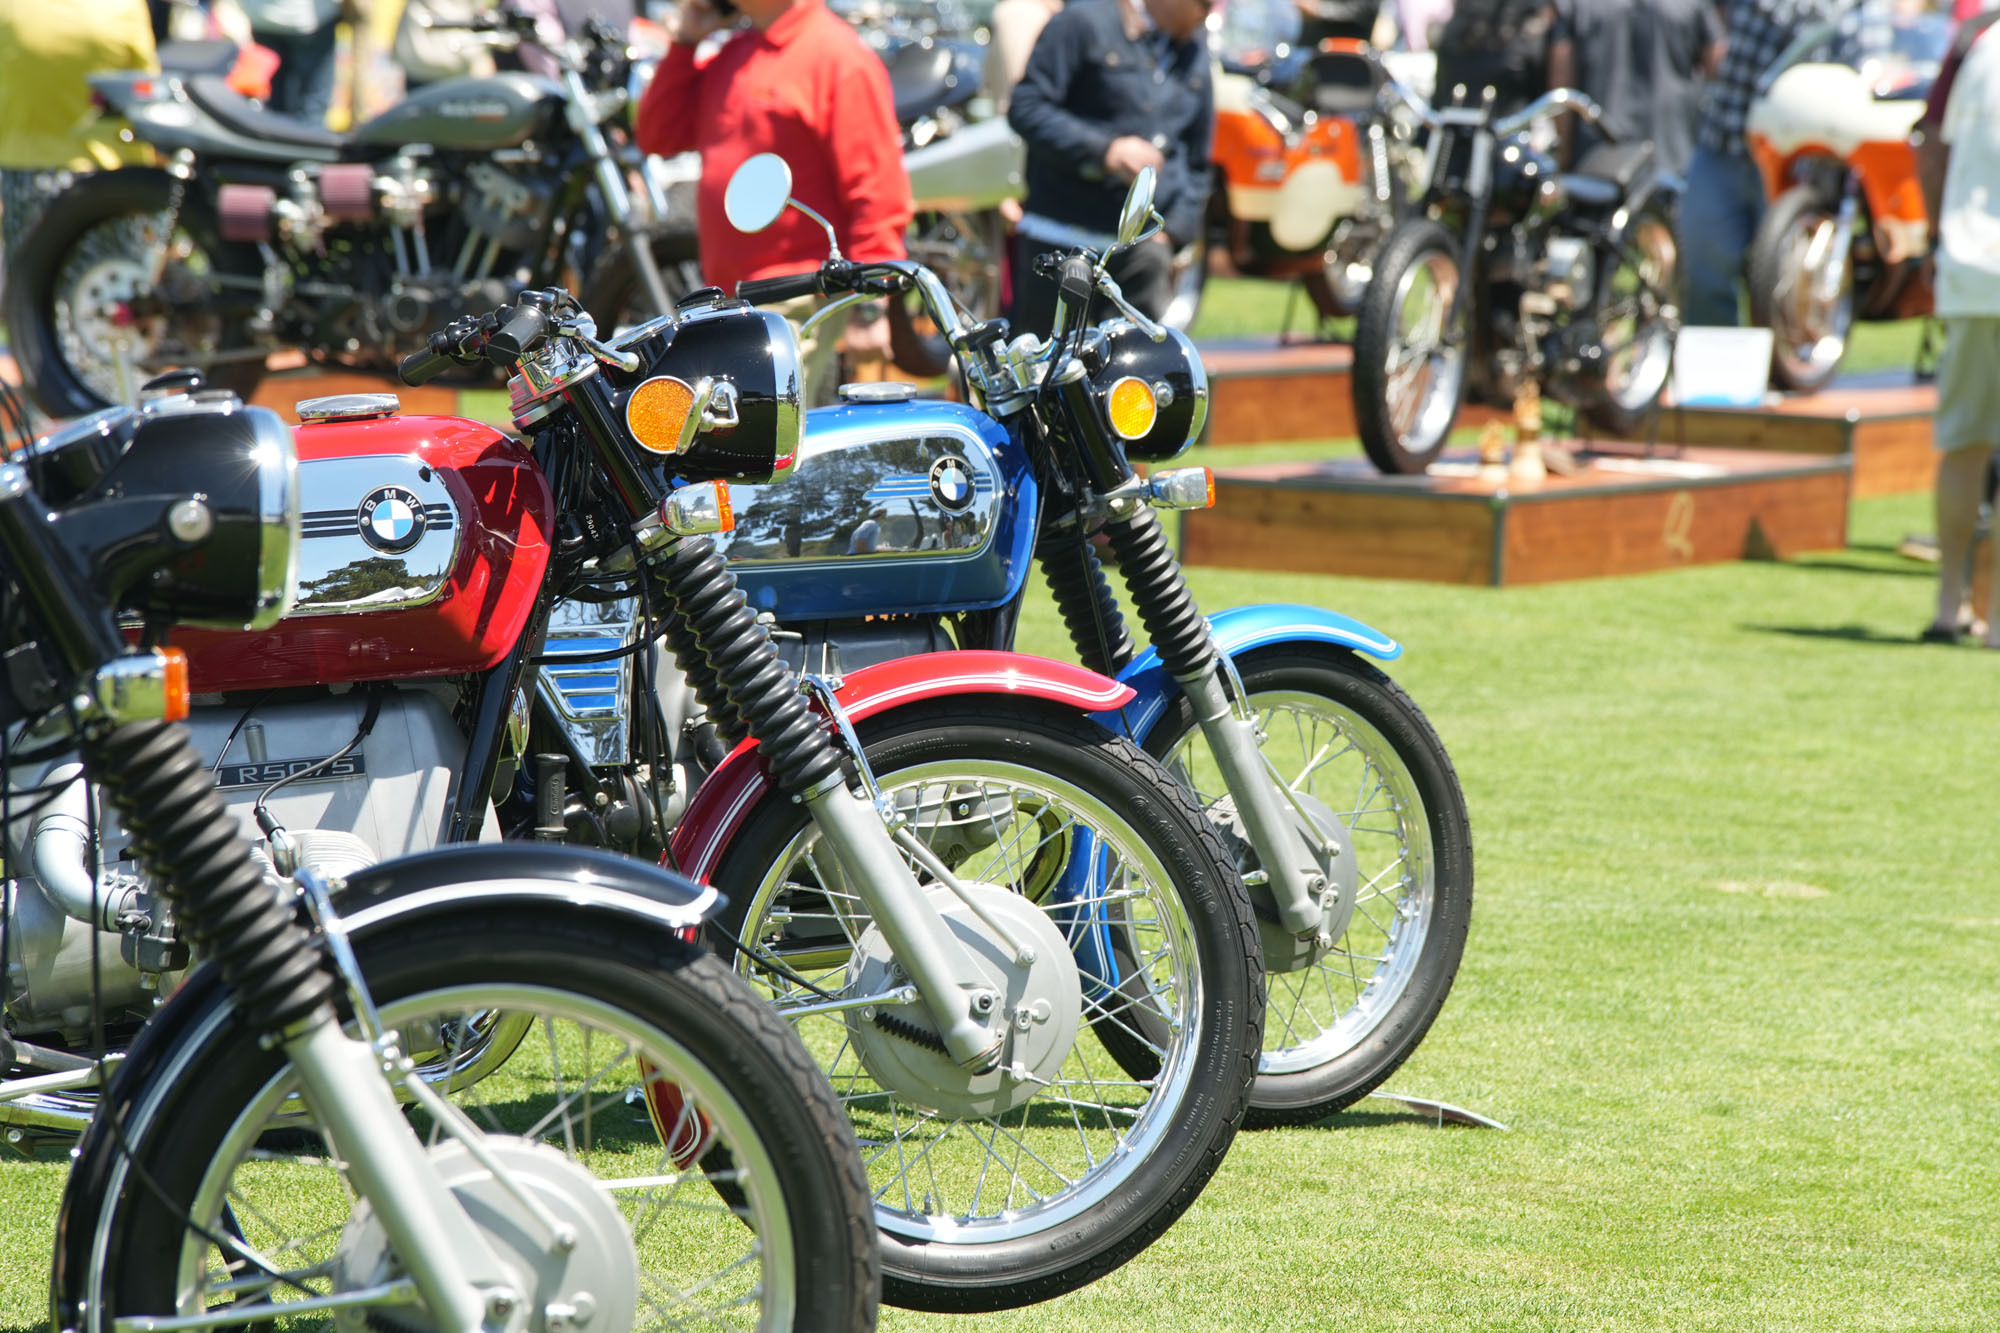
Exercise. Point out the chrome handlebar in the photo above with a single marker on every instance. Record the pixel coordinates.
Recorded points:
(1548, 104)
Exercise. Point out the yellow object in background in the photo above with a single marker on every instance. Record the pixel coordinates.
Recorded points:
(48, 50)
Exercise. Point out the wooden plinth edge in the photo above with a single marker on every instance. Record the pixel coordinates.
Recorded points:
(1887, 430)
(1406, 528)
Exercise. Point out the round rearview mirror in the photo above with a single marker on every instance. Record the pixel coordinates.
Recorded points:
(1138, 210)
(757, 193)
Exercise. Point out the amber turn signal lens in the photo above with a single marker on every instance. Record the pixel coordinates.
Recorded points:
(174, 662)
(1131, 408)
(657, 411)
(697, 510)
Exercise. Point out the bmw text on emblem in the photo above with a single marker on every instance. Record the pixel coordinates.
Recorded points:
(391, 519)
(951, 484)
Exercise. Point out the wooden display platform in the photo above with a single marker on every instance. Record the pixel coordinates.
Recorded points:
(1264, 392)
(1624, 513)
(1885, 423)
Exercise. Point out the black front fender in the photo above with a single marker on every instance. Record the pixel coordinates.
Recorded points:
(478, 878)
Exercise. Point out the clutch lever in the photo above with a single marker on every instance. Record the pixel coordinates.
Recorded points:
(1108, 285)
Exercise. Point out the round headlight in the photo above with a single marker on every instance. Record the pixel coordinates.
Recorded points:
(1155, 394)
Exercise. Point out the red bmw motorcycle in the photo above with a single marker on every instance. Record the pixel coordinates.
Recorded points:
(1050, 996)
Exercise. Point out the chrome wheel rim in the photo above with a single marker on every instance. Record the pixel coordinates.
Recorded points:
(1638, 344)
(105, 344)
(1424, 368)
(703, 1263)
(1808, 326)
(980, 1181)
(1333, 755)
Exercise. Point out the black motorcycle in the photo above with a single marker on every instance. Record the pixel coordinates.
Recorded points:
(1513, 272)
(264, 232)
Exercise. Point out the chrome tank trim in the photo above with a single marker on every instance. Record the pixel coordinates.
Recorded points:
(405, 559)
(593, 699)
(936, 495)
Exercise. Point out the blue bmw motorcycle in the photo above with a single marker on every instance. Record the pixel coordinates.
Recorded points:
(1325, 780)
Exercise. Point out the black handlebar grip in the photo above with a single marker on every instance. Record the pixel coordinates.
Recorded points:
(788, 287)
(422, 367)
(1079, 279)
(518, 336)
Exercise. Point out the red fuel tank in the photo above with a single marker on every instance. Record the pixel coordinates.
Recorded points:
(425, 541)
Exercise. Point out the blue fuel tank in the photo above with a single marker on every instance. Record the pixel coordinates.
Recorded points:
(896, 507)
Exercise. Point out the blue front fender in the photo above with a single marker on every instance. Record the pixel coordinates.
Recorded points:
(1236, 631)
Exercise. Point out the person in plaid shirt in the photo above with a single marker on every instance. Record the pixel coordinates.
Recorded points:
(1724, 201)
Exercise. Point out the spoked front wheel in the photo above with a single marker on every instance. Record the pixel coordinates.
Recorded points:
(1134, 1009)
(1409, 364)
(1801, 283)
(122, 277)
(648, 1100)
(1349, 741)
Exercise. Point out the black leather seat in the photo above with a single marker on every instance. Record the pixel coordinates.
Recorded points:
(1343, 84)
(243, 116)
(925, 76)
(1607, 173)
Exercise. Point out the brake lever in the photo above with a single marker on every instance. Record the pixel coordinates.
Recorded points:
(1108, 286)
(583, 328)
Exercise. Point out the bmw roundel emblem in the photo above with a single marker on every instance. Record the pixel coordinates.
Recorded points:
(391, 519)
(951, 484)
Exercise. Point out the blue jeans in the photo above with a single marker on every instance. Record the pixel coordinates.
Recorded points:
(1719, 214)
(303, 85)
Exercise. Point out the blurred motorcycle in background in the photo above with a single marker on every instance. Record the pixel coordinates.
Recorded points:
(1510, 272)
(264, 232)
(1845, 235)
(1313, 156)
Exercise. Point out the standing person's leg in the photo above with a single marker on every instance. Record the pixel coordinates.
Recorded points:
(1968, 419)
(1719, 213)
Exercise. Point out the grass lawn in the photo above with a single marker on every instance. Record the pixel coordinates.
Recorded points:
(1734, 981)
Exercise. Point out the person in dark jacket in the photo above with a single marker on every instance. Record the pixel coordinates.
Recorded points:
(1113, 86)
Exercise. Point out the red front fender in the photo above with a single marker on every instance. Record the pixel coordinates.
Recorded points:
(739, 782)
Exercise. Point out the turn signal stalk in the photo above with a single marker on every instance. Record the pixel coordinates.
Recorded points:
(698, 510)
(1182, 488)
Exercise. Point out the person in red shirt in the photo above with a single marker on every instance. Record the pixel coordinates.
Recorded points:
(798, 82)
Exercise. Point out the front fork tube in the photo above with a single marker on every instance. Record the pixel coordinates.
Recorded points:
(924, 945)
(803, 764)
(1294, 878)
(463, 1283)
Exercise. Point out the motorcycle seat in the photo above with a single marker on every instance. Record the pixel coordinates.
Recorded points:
(927, 76)
(1344, 84)
(240, 115)
(1607, 173)
(206, 57)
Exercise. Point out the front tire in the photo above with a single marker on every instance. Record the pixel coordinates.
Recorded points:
(1635, 327)
(1808, 330)
(610, 1012)
(88, 324)
(1041, 805)
(1346, 735)
(1409, 370)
